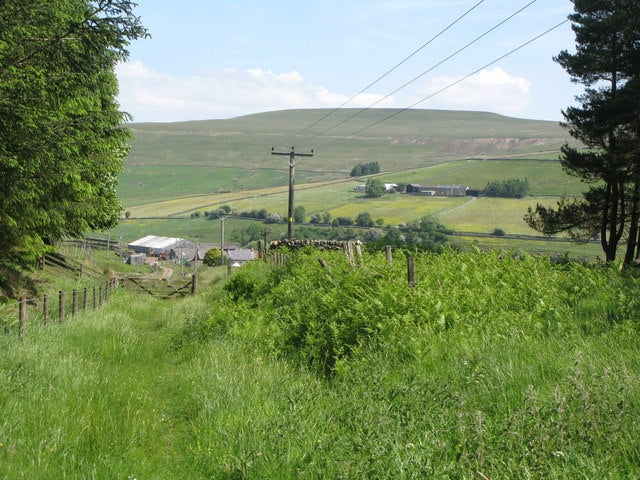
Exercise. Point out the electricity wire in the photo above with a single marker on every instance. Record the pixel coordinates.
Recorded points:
(384, 75)
(406, 84)
(398, 112)
(287, 142)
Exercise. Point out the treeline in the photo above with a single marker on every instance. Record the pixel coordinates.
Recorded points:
(365, 169)
(510, 188)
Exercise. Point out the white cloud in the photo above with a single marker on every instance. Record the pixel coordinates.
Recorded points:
(153, 96)
(492, 90)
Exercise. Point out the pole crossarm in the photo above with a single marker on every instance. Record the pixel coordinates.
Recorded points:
(292, 163)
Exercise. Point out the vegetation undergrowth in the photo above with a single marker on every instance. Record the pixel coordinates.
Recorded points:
(493, 366)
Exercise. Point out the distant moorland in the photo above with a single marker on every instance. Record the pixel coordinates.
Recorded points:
(177, 169)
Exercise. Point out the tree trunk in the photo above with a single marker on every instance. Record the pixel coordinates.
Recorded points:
(632, 241)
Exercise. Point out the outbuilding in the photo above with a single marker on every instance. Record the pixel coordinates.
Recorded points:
(155, 245)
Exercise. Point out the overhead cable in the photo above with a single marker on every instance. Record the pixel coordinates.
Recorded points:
(377, 80)
(461, 49)
(398, 112)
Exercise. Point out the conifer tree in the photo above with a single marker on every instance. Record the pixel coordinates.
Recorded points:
(607, 63)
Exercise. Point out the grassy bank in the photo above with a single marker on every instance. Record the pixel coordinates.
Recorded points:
(492, 367)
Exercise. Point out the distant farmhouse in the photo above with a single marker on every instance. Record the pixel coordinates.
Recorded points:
(154, 245)
(171, 248)
(438, 190)
(387, 187)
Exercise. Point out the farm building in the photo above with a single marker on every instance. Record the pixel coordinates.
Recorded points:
(240, 256)
(154, 245)
(437, 190)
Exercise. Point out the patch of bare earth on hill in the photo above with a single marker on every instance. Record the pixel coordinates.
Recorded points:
(477, 146)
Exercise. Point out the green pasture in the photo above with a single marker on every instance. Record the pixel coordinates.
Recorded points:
(411, 139)
(485, 214)
(545, 177)
(573, 250)
(398, 208)
(146, 184)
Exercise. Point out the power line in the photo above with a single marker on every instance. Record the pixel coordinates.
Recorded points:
(511, 52)
(404, 60)
(461, 49)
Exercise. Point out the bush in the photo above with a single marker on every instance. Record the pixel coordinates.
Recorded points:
(212, 257)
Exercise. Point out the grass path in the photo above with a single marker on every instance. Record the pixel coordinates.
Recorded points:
(107, 395)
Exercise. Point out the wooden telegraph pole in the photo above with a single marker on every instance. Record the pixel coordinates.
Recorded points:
(292, 163)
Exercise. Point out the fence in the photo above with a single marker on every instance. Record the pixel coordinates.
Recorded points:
(48, 308)
(160, 287)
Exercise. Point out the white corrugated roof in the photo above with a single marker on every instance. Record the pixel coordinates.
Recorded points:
(152, 241)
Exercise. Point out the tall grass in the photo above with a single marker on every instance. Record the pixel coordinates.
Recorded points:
(492, 367)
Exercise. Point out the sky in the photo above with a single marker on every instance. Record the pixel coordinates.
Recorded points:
(216, 59)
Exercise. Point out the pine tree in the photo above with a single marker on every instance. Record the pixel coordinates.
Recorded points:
(607, 63)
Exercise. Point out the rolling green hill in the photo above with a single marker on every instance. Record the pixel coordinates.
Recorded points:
(176, 169)
(173, 160)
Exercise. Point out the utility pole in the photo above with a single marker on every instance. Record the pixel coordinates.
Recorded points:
(221, 217)
(197, 237)
(292, 163)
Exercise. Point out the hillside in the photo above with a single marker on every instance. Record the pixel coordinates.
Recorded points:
(169, 160)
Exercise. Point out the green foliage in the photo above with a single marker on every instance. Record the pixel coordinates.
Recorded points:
(248, 234)
(426, 233)
(374, 188)
(61, 135)
(494, 366)
(364, 220)
(605, 61)
(298, 214)
(325, 318)
(212, 257)
(510, 188)
(365, 169)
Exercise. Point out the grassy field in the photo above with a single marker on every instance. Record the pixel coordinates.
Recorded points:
(492, 367)
(174, 170)
(207, 156)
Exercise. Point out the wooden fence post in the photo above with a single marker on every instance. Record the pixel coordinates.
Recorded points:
(411, 271)
(389, 254)
(95, 300)
(61, 302)
(229, 267)
(100, 296)
(85, 299)
(23, 317)
(74, 303)
(194, 284)
(45, 308)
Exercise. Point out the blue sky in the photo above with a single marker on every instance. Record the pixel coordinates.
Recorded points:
(210, 59)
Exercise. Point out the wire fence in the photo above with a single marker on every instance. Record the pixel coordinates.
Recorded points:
(50, 308)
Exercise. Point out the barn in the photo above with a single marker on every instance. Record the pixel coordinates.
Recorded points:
(154, 245)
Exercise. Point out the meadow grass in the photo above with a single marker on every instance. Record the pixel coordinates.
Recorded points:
(196, 388)
(485, 214)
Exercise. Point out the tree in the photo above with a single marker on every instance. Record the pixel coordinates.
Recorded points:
(62, 139)
(374, 188)
(212, 257)
(364, 220)
(607, 62)
(510, 188)
(298, 214)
